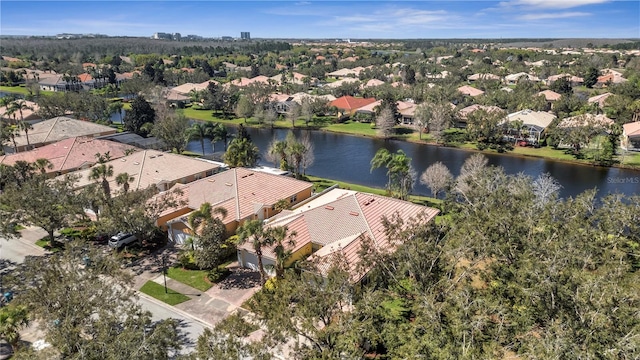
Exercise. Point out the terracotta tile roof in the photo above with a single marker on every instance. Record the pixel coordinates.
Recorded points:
(351, 103)
(372, 83)
(85, 77)
(464, 112)
(343, 72)
(469, 90)
(87, 65)
(337, 224)
(599, 120)
(186, 88)
(600, 99)
(632, 129)
(70, 154)
(550, 95)
(30, 113)
(152, 167)
(241, 191)
(62, 127)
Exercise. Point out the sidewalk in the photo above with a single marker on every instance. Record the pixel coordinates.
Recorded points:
(209, 307)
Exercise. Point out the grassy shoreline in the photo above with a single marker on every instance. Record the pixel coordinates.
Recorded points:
(21, 90)
(629, 161)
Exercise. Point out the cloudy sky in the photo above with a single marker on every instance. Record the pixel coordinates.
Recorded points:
(328, 19)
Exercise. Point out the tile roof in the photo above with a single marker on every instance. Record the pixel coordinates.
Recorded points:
(186, 88)
(152, 167)
(62, 127)
(70, 154)
(344, 217)
(600, 99)
(469, 90)
(372, 83)
(550, 95)
(343, 72)
(540, 119)
(351, 103)
(487, 76)
(599, 120)
(464, 112)
(30, 113)
(632, 129)
(339, 83)
(85, 77)
(241, 191)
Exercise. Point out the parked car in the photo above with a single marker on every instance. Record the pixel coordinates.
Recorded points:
(121, 239)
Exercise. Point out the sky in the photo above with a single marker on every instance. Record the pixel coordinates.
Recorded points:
(328, 19)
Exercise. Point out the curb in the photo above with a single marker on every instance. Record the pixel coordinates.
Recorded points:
(173, 308)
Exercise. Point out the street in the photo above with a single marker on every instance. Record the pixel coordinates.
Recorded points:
(15, 251)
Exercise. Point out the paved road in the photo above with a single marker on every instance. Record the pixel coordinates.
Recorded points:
(15, 251)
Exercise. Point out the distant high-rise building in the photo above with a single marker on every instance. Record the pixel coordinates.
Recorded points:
(245, 35)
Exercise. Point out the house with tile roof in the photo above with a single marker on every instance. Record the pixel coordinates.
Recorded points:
(466, 111)
(71, 154)
(344, 72)
(599, 99)
(550, 95)
(334, 226)
(631, 136)
(29, 114)
(348, 105)
(187, 88)
(245, 194)
(470, 91)
(485, 76)
(155, 168)
(513, 79)
(56, 129)
(534, 123)
(572, 79)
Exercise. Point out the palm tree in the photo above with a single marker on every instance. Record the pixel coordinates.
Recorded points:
(278, 151)
(199, 218)
(281, 238)
(10, 132)
(102, 172)
(25, 126)
(200, 131)
(253, 231)
(124, 179)
(242, 153)
(219, 133)
(12, 319)
(43, 165)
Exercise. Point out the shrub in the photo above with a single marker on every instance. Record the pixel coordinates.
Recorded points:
(218, 274)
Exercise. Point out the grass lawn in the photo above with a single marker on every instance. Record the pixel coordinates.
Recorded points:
(21, 90)
(323, 183)
(195, 278)
(352, 127)
(631, 159)
(126, 106)
(157, 291)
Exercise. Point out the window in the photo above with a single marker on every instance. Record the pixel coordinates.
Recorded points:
(293, 199)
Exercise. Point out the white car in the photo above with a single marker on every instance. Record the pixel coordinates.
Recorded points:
(122, 239)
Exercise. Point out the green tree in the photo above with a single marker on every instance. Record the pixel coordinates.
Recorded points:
(13, 318)
(591, 77)
(400, 174)
(50, 204)
(242, 153)
(200, 131)
(219, 133)
(244, 108)
(172, 128)
(253, 232)
(141, 113)
(82, 303)
(124, 180)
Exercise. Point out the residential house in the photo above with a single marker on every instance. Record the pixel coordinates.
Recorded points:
(347, 105)
(610, 77)
(534, 124)
(337, 225)
(281, 103)
(341, 73)
(187, 88)
(573, 80)
(245, 194)
(243, 81)
(464, 112)
(372, 83)
(297, 97)
(29, 113)
(54, 82)
(71, 154)
(599, 121)
(56, 129)
(470, 91)
(407, 110)
(631, 136)
(487, 76)
(550, 97)
(337, 84)
(155, 168)
(599, 99)
(514, 78)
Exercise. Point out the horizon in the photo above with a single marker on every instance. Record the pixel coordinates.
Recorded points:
(315, 20)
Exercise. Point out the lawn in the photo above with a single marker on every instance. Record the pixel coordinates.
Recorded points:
(631, 159)
(195, 278)
(323, 183)
(21, 90)
(352, 127)
(157, 291)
